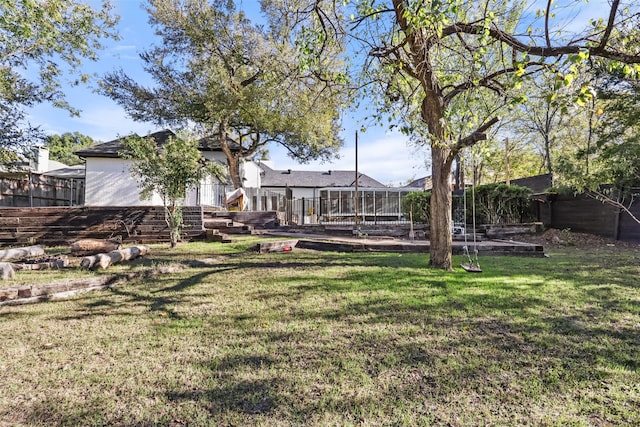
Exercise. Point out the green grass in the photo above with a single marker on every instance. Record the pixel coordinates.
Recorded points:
(311, 338)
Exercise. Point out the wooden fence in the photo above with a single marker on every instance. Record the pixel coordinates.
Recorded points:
(584, 214)
(34, 190)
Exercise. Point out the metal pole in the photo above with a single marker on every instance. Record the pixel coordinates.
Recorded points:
(355, 196)
(506, 161)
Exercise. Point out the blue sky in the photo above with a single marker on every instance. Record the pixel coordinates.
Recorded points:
(384, 156)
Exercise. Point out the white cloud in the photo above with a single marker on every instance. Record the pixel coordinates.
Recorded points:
(120, 48)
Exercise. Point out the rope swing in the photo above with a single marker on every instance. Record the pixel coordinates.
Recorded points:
(473, 265)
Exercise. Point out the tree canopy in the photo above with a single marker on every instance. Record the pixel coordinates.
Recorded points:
(240, 81)
(429, 60)
(170, 171)
(43, 45)
(62, 147)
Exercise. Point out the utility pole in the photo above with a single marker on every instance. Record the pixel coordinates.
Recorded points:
(355, 195)
(506, 161)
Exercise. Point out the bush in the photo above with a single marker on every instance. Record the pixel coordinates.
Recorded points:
(499, 203)
(417, 205)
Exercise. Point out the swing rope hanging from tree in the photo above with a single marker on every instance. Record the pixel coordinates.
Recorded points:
(473, 264)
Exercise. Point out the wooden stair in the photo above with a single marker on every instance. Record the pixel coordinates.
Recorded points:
(62, 225)
(222, 224)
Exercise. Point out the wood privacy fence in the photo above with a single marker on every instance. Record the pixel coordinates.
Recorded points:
(34, 190)
(584, 214)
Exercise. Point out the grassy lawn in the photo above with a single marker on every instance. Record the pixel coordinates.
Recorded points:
(311, 338)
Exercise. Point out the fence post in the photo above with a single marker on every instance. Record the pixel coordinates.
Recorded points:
(616, 220)
(375, 212)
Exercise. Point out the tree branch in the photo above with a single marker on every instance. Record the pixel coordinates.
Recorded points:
(251, 79)
(546, 23)
(607, 31)
(601, 197)
(486, 81)
(545, 52)
(478, 135)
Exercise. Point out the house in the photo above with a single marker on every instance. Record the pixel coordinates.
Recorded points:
(326, 196)
(262, 181)
(108, 180)
(425, 183)
(308, 184)
(304, 195)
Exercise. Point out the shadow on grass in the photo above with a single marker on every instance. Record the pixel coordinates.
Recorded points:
(254, 396)
(250, 397)
(387, 334)
(149, 291)
(503, 345)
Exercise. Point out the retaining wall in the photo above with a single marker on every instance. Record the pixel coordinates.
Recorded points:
(61, 226)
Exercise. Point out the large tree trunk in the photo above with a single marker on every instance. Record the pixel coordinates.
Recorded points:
(432, 112)
(440, 241)
(234, 171)
(233, 160)
(174, 220)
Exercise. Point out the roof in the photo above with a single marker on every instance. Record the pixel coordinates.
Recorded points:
(55, 165)
(314, 179)
(210, 143)
(33, 163)
(112, 149)
(115, 147)
(423, 183)
(71, 172)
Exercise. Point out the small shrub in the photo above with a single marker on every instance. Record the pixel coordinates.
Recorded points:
(417, 205)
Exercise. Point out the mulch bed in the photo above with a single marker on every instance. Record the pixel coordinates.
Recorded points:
(553, 238)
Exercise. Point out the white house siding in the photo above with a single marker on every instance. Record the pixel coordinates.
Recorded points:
(109, 183)
(250, 173)
(215, 156)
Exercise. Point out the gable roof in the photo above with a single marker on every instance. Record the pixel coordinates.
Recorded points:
(112, 149)
(423, 183)
(314, 179)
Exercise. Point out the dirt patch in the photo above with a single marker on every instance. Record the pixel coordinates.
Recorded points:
(562, 238)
